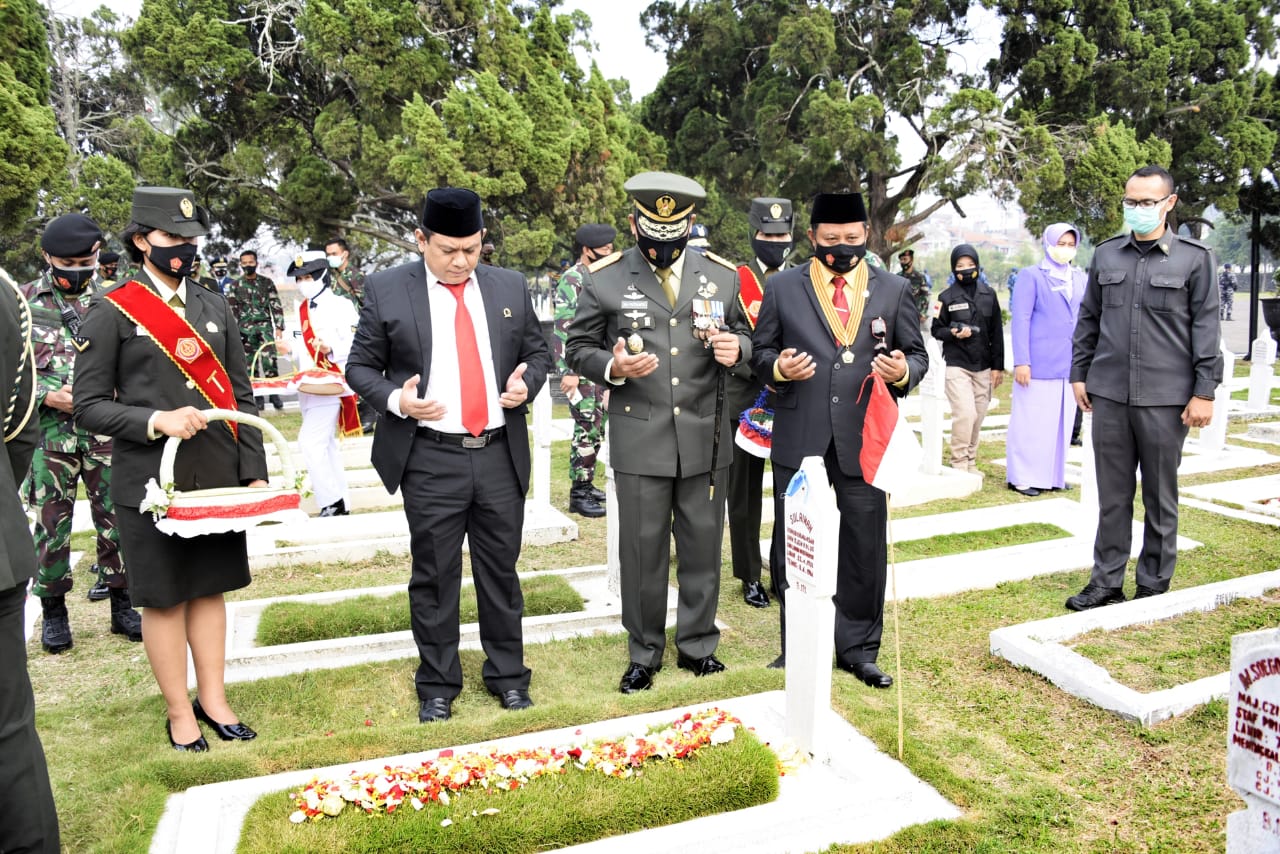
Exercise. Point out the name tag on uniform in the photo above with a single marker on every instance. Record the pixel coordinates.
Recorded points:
(958, 306)
(636, 303)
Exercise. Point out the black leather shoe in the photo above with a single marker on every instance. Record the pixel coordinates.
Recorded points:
(582, 502)
(1029, 491)
(99, 590)
(514, 699)
(435, 709)
(197, 746)
(868, 672)
(1076, 442)
(597, 494)
(1147, 592)
(637, 678)
(226, 732)
(779, 663)
(753, 594)
(1093, 596)
(337, 508)
(700, 666)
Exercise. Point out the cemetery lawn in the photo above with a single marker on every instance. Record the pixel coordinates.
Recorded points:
(549, 812)
(1171, 652)
(1031, 768)
(975, 541)
(294, 622)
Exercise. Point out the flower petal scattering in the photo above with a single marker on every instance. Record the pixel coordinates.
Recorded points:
(448, 772)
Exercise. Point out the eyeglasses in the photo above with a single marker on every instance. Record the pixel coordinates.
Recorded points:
(1145, 204)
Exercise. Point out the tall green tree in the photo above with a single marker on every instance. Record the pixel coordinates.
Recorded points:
(788, 98)
(1116, 84)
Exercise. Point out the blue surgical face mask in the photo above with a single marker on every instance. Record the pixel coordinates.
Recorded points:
(1144, 220)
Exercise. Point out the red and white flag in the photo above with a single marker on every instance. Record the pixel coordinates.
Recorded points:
(891, 453)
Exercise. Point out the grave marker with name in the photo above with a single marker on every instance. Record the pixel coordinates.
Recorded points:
(1262, 357)
(1214, 436)
(1253, 742)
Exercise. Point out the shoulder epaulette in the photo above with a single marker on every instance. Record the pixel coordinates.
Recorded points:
(604, 262)
(1195, 242)
(721, 261)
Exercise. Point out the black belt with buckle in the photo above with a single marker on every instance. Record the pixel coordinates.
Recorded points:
(463, 440)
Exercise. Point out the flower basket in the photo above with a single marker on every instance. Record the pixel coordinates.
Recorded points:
(321, 382)
(225, 509)
(755, 428)
(264, 386)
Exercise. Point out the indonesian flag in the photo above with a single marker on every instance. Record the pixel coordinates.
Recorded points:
(891, 453)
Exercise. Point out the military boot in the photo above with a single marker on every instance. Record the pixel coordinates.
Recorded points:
(583, 503)
(124, 619)
(55, 635)
(99, 590)
(598, 494)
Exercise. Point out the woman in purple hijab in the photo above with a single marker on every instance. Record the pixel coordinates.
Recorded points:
(1044, 309)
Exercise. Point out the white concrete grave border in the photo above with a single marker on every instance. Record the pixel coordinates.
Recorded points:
(1039, 646)
(1247, 494)
(860, 795)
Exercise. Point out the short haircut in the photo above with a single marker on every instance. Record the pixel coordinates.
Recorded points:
(1158, 171)
(244, 252)
(339, 241)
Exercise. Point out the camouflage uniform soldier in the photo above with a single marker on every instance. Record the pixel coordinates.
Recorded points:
(919, 283)
(66, 454)
(108, 262)
(592, 242)
(347, 280)
(256, 304)
(1226, 292)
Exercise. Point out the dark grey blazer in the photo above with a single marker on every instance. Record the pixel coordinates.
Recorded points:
(123, 376)
(810, 413)
(19, 562)
(393, 342)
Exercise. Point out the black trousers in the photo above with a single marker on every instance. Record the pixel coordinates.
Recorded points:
(1126, 438)
(451, 492)
(28, 820)
(862, 566)
(744, 495)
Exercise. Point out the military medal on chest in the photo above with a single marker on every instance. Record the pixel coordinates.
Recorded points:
(635, 343)
(706, 289)
(707, 318)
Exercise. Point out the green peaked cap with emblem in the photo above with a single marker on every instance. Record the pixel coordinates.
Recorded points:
(170, 209)
(664, 196)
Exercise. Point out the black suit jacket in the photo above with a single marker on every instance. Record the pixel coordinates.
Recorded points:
(393, 342)
(123, 376)
(811, 413)
(19, 554)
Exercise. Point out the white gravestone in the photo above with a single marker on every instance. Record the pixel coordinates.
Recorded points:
(933, 401)
(811, 535)
(1213, 438)
(1088, 473)
(542, 447)
(1262, 358)
(1253, 742)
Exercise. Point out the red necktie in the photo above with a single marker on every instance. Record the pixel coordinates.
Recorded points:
(838, 300)
(475, 408)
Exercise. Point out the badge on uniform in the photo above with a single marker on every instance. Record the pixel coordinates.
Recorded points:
(506, 312)
(639, 320)
(706, 289)
(635, 343)
(211, 326)
(141, 332)
(707, 317)
(80, 343)
(631, 293)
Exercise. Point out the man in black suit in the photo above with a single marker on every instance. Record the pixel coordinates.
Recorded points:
(28, 820)
(823, 327)
(451, 351)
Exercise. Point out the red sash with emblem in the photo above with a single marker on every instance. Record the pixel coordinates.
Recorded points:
(750, 293)
(180, 342)
(349, 414)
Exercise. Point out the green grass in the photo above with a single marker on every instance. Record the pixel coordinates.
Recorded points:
(550, 812)
(976, 541)
(1163, 654)
(294, 622)
(1032, 769)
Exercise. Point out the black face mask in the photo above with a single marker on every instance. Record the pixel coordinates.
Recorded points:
(108, 272)
(249, 269)
(163, 258)
(661, 253)
(771, 252)
(842, 257)
(73, 282)
(966, 277)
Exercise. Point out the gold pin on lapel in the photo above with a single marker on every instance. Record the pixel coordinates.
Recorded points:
(506, 312)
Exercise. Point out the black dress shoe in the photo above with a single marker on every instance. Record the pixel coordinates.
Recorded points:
(226, 732)
(435, 709)
(868, 672)
(514, 699)
(1147, 592)
(637, 678)
(779, 663)
(197, 746)
(1029, 491)
(753, 594)
(1094, 596)
(337, 508)
(700, 666)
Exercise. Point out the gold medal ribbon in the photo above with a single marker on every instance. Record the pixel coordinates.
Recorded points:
(856, 285)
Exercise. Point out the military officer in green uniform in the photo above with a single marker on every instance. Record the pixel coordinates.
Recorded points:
(592, 242)
(66, 454)
(920, 286)
(256, 304)
(661, 325)
(348, 282)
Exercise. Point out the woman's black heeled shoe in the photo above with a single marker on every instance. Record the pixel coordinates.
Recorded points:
(197, 746)
(226, 732)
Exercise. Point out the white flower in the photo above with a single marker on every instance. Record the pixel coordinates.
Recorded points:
(297, 817)
(416, 803)
(332, 805)
(446, 822)
(154, 499)
(723, 734)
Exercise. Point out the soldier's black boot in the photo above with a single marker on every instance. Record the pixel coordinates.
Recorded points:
(277, 402)
(99, 590)
(55, 635)
(124, 619)
(582, 502)
(597, 494)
